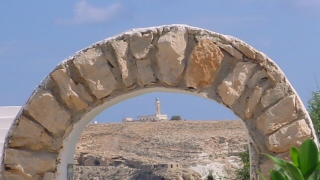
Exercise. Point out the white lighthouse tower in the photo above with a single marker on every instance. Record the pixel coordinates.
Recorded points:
(157, 117)
(158, 110)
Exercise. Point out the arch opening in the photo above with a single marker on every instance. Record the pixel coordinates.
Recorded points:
(165, 58)
(121, 137)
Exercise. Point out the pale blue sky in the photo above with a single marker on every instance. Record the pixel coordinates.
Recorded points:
(36, 35)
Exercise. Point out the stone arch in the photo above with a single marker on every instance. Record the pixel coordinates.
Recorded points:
(174, 58)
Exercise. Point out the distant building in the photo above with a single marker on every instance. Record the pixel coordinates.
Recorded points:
(152, 167)
(127, 120)
(157, 117)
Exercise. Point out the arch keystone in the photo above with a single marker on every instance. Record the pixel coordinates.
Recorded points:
(125, 64)
(140, 44)
(171, 54)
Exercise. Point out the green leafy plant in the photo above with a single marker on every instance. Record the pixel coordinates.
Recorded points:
(305, 164)
(243, 173)
(314, 111)
(177, 117)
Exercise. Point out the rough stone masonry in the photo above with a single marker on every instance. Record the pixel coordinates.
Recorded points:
(177, 57)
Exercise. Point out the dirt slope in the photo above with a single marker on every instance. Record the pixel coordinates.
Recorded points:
(197, 145)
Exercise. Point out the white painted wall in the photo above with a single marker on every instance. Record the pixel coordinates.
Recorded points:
(7, 115)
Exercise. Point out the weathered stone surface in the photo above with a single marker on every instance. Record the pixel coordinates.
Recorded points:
(170, 56)
(245, 49)
(291, 135)
(231, 50)
(94, 68)
(273, 95)
(48, 176)
(83, 93)
(278, 115)
(30, 162)
(203, 65)
(145, 71)
(140, 44)
(32, 136)
(253, 101)
(121, 49)
(256, 77)
(16, 175)
(108, 55)
(261, 57)
(275, 75)
(226, 38)
(234, 84)
(45, 109)
(68, 90)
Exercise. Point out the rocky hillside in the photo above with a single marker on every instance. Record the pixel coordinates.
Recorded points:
(116, 151)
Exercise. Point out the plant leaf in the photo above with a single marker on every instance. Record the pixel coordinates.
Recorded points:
(294, 153)
(308, 158)
(315, 175)
(294, 172)
(276, 175)
(279, 163)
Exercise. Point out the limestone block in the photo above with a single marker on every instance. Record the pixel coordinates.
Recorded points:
(278, 115)
(121, 49)
(226, 38)
(140, 45)
(231, 50)
(32, 136)
(68, 90)
(94, 68)
(234, 84)
(274, 74)
(30, 162)
(261, 57)
(16, 175)
(203, 65)
(245, 49)
(291, 135)
(170, 55)
(145, 71)
(45, 109)
(83, 93)
(113, 63)
(256, 77)
(273, 95)
(108, 55)
(253, 101)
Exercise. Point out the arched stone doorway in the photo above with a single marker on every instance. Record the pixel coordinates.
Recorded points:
(176, 58)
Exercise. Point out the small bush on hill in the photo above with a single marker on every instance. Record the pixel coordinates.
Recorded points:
(176, 118)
